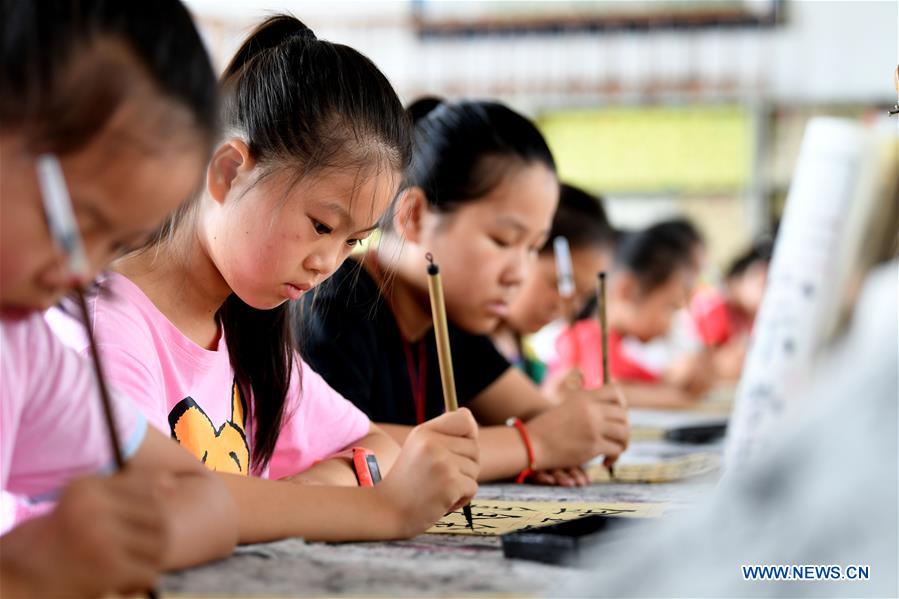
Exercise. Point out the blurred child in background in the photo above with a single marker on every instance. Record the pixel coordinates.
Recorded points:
(120, 97)
(723, 318)
(648, 285)
(581, 220)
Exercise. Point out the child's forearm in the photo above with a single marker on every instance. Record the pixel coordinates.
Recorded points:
(661, 395)
(385, 447)
(728, 360)
(398, 432)
(201, 520)
(339, 471)
(270, 510)
(201, 513)
(503, 454)
(336, 472)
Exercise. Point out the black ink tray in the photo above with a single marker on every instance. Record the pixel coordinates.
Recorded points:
(704, 433)
(565, 542)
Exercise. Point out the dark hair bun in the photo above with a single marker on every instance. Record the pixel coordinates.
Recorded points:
(422, 107)
(271, 33)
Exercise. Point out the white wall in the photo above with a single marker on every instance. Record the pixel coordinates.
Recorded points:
(825, 53)
(841, 51)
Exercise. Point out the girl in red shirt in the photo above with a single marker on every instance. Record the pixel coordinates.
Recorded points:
(647, 286)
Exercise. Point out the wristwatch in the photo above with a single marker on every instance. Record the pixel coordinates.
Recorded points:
(365, 465)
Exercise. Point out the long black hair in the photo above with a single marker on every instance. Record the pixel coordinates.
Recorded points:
(581, 219)
(759, 252)
(303, 104)
(654, 254)
(59, 86)
(462, 150)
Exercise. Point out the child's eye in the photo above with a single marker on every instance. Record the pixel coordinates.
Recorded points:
(353, 242)
(500, 242)
(321, 228)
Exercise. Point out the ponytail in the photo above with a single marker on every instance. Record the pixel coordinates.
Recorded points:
(303, 104)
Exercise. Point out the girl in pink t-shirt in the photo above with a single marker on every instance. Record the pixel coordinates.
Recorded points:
(116, 94)
(195, 325)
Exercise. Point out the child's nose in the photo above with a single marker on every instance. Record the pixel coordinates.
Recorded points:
(323, 263)
(314, 264)
(517, 269)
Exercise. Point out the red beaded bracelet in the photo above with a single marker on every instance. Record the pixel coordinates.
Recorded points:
(532, 466)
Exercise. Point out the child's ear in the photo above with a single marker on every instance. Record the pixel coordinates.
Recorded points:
(409, 213)
(230, 160)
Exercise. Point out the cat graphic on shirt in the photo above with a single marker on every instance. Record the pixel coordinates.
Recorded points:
(224, 449)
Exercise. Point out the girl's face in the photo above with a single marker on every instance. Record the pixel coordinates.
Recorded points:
(748, 289)
(648, 315)
(486, 247)
(120, 191)
(272, 239)
(539, 303)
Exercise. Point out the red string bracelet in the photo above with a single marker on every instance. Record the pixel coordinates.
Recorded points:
(531, 468)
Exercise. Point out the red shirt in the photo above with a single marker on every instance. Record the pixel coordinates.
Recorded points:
(581, 346)
(716, 321)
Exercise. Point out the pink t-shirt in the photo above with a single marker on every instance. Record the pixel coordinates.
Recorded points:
(189, 392)
(52, 426)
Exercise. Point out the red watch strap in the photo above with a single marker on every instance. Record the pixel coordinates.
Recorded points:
(526, 438)
(366, 467)
(364, 463)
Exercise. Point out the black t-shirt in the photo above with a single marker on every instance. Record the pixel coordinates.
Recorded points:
(348, 334)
